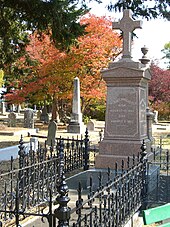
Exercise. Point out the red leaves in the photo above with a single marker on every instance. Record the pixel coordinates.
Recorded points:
(159, 86)
(54, 71)
(159, 90)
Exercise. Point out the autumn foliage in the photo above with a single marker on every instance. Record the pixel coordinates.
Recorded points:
(93, 53)
(50, 73)
(159, 91)
(33, 85)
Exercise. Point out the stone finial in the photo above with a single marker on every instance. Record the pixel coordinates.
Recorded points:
(127, 25)
(144, 60)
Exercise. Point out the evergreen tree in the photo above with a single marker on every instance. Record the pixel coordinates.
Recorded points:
(59, 18)
(145, 8)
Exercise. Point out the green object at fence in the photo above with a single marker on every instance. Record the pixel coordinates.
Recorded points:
(157, 214)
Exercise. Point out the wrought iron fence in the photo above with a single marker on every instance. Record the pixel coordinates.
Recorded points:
(111, 203)
(158, 172)
(35, 172)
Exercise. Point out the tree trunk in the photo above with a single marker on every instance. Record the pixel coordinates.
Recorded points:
(54, 116)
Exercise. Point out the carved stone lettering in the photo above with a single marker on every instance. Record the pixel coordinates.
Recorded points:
(122, 112)
(142, 113)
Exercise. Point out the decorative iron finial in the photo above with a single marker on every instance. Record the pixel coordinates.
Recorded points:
(21, 152)
(63, 211)
(143, 152)
(86, 150)
(144, 60)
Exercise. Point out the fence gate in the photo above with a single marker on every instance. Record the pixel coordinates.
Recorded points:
(158, 178)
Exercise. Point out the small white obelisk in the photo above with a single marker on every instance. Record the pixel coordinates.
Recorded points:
(76, 125)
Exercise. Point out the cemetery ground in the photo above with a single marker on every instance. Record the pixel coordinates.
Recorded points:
(161, 134)
(160, 131)
(7, 140)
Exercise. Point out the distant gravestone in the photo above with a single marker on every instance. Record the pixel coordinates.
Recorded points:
(155, 119)
(2, 109)
(44, 115)
(11, 119)
(91, 125)
(76, 124)
(35, 108)
(52, 127)
(29, 118)
(34, 143)
(18, 109)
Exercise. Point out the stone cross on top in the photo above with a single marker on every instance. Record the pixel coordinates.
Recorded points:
(127, 25)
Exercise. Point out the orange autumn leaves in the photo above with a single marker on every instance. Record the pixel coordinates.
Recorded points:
(53, 73)
(93, 52)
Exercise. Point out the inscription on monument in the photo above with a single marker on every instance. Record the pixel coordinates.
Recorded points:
(142, 115)
(121, 112)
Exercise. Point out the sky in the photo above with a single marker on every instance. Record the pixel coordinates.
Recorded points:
(154, 34)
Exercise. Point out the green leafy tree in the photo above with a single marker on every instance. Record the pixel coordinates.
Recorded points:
(52, 72)
(13, 37)
(57, 18)
(144, 8)
(166, 52)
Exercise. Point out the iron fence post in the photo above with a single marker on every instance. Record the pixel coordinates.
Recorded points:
(143, 152)
(86, 151)
(21, 154)
(62, 213)
(143, 160)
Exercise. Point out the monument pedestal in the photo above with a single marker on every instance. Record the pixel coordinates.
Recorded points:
(126, 118)
(75, 127)
(127, 101)
(111, 151)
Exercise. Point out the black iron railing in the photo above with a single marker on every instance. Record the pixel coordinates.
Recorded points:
(37, 171)
(114, 202)
(111, 203)
(158, 172)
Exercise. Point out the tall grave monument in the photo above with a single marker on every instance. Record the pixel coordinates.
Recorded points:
(127, 100)
(76, 125)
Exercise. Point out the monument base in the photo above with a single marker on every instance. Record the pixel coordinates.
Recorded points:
(75, 127)
(108, 161)
(111, 151)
